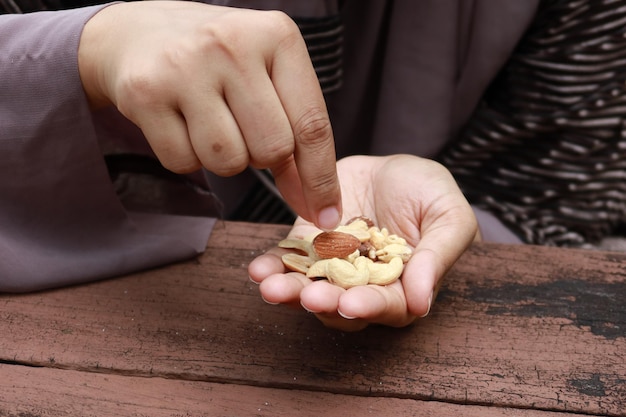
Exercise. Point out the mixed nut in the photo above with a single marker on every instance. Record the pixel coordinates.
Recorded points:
(357, 253)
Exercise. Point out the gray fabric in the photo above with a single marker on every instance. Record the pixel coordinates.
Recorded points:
(415, 70)
(492, 229)
(60, 219)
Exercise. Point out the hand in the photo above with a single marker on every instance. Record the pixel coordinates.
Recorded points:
(414, 198)
(217, 87)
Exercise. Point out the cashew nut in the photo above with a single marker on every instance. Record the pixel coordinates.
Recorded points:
(318, 269)
(383, 273)
(339, 272)
(357, 228)
(344, 274)
(378, 237)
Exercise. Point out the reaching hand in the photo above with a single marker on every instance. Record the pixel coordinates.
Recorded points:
(217, 87)
(414, 198)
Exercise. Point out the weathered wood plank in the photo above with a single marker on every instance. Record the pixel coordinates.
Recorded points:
(38, 392)
(514, 326)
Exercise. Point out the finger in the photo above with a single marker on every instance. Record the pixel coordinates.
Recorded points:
(265, 265)
(283, 288)
(335, 321)
(214, 133)
(299, 91)
(420, 276)
(166, 131)
(322, 298)
(260, 116)
(289, 184)
(287, 289)
(442, 244)
(384, 305)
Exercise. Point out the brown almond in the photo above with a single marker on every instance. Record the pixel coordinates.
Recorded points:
(334, 244)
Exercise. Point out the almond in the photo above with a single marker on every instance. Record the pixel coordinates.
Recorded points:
(334, 244)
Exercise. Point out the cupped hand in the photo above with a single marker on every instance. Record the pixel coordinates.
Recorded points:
(220, 88)
(414, 198)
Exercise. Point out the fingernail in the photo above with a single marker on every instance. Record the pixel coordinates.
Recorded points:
(250, 278)
(430, 302)
(329, 218)
(269, 302)
(345, 316)
(308, 310)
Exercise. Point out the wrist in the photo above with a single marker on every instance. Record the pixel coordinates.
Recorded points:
(91, 53)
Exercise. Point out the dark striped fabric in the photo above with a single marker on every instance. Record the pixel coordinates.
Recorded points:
(546, 150)
(263, 203)
(324, 40)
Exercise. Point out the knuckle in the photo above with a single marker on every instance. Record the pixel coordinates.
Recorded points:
(313, 128)
(227, 165)
(274, 149)
(325, 183)
(136, 90)
(180, 165)
(282, 24)
(217, 43)
(283, 30)
(173, 154)
(263, 27)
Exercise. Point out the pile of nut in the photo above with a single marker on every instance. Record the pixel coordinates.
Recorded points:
(357, 253)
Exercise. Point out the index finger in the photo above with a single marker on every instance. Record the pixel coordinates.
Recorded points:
(315, 160)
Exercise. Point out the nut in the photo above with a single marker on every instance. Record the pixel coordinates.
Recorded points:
(299, 244)
(362, 234)
(318, 269)
(367, 249)
(394, 250)
(340, 272)
(378, 237)
(298, 263)
(357, 253)
(357, 227)
(346, 275)
(334, 244)
(360, 219)
(383, 273)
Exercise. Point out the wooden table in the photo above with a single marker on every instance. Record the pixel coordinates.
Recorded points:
(516, 331)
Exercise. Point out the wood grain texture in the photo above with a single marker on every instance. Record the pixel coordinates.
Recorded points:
(37, 392)
(517, 327)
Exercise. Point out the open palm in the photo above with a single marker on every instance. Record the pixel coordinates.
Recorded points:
(412, 197)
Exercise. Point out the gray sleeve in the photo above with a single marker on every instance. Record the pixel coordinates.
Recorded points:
(61, 222)
(492, 229)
